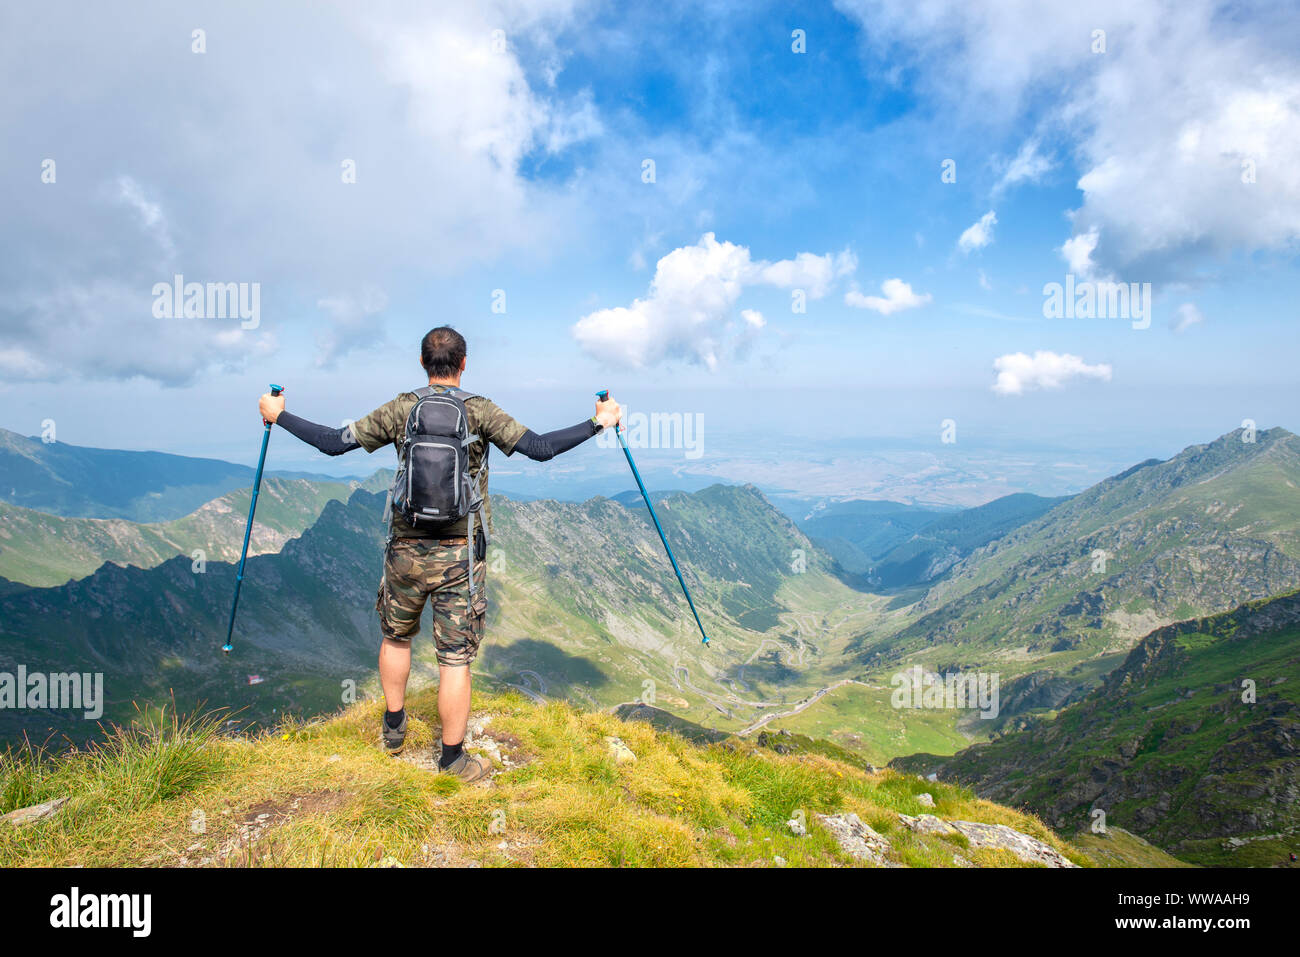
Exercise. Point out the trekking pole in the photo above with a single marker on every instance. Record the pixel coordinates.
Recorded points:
(618, 430)
(248, 529)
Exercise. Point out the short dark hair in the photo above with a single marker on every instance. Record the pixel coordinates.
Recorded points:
(441, 352)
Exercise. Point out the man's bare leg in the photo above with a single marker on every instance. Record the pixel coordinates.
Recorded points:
(394, 669)
(453, 702)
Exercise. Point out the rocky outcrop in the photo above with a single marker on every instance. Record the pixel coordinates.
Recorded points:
(995, 836)
(857, 839)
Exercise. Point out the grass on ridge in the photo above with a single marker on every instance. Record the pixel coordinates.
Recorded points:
(324, 794)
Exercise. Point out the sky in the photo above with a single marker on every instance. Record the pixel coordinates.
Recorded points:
(827, 232)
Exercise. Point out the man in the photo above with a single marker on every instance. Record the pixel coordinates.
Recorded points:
(422, 565)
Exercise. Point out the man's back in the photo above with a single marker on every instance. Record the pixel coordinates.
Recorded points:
(387, 425)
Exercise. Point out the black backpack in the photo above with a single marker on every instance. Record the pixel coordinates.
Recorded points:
(433, 488)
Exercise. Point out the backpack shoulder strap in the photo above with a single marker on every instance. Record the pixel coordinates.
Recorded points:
(463, 397)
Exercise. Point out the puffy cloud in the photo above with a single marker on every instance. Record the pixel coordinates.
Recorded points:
(106, 329)
(1186, 316)
(686, 313)
(898, 296)
(810, 272)
(222, 182)
(1186, 129)
(1028, 165)
(979, 234)
(1077, 253)
(1018, 372)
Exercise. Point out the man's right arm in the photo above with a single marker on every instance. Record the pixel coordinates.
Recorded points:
(370, 432)
(327, 440)
(543, 448)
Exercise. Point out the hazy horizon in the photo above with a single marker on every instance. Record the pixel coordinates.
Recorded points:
(823, 233)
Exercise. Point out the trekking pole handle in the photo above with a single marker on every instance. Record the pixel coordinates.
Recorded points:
(275, 392)
(603, 396)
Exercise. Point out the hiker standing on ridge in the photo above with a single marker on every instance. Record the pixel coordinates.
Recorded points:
(437, 541)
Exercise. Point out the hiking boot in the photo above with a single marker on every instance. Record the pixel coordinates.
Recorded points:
(468, 767)
(394, 738)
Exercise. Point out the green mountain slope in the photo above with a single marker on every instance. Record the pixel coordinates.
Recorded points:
(73, 480)
(1215, 525)
(41, 549)
(583, 604)
(306, 625)
(1170, 746)
(939, 545)
(589, 607)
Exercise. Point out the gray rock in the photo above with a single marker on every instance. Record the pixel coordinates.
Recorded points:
(856, 839)
(619, 751)
(37, 812)
(926, 799)
(1026, 848)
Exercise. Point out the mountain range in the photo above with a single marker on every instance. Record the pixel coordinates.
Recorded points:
(580, 606)
(73, 480)
(1061, 598)
(37, 548)
(1064, 596)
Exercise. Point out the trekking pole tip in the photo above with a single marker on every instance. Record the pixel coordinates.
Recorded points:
(227, 648)
(276, 389)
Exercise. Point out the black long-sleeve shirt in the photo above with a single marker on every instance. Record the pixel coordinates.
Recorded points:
(539, 448)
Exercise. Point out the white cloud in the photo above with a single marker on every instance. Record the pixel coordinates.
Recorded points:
(1077, 253)
(151, 216)
(20, 365)
(1018, 372)
(106, 330)
(979, 234)
(353, 323)
(1186, 316)
(898, 296)
(687, 310)
(1160, 124)
(810, 272)
(1028, 165)
(985, 283)
(227, 182)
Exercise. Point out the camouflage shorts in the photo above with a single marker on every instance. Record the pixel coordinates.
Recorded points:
(416, 570)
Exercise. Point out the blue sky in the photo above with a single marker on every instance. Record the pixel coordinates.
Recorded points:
(513, 161)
